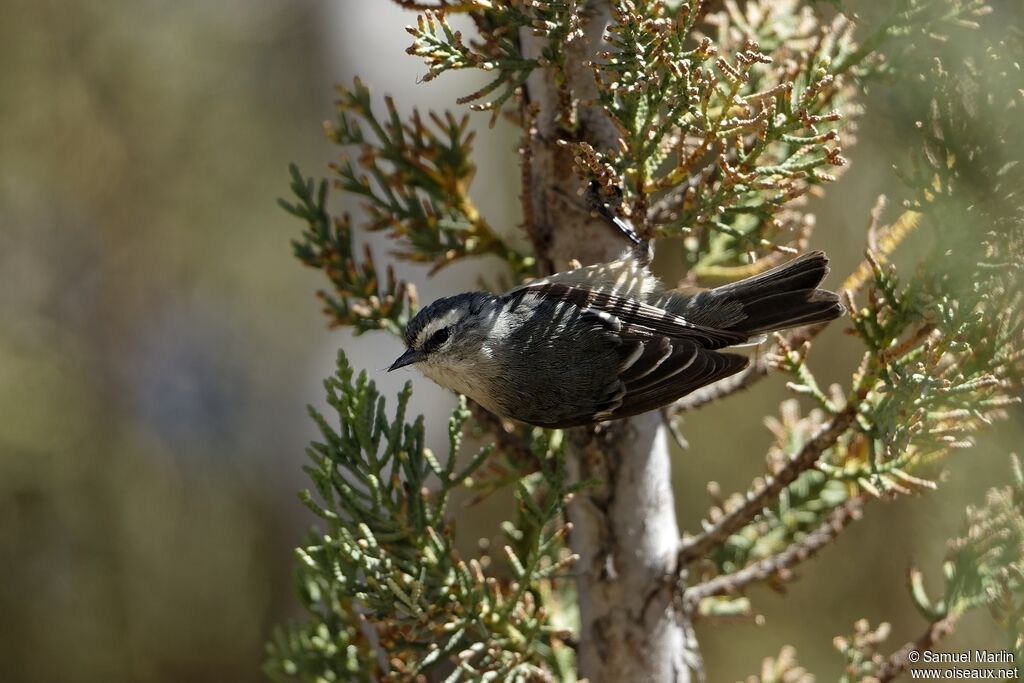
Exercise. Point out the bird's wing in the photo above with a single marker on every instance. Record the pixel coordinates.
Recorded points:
(634, 315)
(658, 370)
(661, 356)
(653, 371)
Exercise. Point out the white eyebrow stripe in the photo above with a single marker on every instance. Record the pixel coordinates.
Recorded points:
(446, 320)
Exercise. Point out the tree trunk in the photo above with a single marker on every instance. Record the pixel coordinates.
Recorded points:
(624, 530)
(626, 535)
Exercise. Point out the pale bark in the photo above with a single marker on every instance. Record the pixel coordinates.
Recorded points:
(625, 529)
(625, 532)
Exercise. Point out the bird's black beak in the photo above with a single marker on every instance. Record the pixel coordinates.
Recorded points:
(408, 358)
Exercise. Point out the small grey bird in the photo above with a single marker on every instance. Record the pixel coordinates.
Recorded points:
(606, 341)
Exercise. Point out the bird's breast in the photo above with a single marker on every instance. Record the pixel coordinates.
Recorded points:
(470, 379)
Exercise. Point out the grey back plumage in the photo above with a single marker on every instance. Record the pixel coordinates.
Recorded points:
(606, 342)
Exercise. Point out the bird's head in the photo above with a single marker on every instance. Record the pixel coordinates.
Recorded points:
(447, 334)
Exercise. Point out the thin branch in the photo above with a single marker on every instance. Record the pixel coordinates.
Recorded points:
(663, 210)
(716, 534)
(920, 332)
(777, 564)
(898, 661)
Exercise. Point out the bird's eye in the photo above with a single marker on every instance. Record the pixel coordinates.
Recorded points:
(438, 338)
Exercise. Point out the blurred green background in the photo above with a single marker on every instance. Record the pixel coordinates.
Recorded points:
(158, 344)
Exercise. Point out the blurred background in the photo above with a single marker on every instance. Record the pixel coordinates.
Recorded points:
(159, 344)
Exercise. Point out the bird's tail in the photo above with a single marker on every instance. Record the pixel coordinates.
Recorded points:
(780, 298)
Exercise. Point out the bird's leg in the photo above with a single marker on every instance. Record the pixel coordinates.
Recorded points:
(642, 249)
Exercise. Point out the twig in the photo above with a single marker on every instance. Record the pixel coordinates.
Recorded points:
(920, 332)
(662, 211)
(794, 554)
(881, 243)
(897, 662)
(717, 533)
